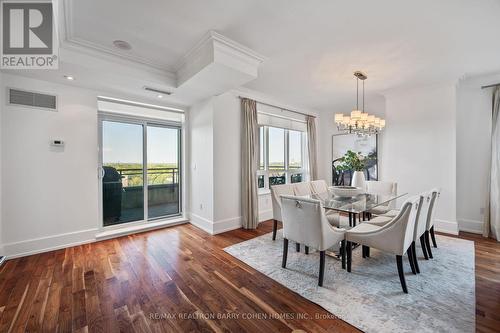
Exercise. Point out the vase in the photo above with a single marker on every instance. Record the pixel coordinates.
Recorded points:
(358, 179)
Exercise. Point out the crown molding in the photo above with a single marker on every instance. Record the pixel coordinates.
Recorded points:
(212, 37)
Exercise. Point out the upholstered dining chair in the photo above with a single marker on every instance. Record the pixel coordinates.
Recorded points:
(435, 194)
(395, 237)
(304, 222)
(302, 188)
(381, 188)
(319, 186)
(420, 224)
(276, 192)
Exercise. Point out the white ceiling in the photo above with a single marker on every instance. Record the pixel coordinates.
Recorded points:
(312, 47)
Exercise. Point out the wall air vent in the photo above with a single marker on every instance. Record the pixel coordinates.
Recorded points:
(32, 99)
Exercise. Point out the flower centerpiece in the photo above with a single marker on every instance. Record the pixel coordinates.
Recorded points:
(355, 162)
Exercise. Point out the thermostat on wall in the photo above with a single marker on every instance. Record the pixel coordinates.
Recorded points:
(57, 143)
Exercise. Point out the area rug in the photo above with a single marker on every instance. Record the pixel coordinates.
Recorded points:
(440, 299)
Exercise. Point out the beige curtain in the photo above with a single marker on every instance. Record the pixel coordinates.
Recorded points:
(249, 160)
(312, 147)
(492, 216)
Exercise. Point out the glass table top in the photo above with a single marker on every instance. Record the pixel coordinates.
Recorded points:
(358, 204)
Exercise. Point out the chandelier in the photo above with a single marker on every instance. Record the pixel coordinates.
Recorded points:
(359, 122)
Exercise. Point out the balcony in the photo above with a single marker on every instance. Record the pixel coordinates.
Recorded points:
(123, 196)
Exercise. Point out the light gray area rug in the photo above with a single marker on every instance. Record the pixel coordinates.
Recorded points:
(440, 299)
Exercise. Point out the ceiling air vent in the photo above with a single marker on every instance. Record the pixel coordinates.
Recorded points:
(32, 99)
(159, 91)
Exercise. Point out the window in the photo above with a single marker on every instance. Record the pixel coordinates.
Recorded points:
(281, 157)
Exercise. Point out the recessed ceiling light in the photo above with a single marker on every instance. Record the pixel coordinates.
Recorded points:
(122, 45)
(69, 77)
(160, 96)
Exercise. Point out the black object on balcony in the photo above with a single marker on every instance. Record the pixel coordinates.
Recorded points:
(112, 194)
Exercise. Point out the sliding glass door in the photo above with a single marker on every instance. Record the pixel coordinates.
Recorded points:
(127, 146)
(163, 171)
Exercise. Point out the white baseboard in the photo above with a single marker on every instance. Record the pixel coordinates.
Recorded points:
(448, 227)
(215, 227)
(50, 243)
(472, 226)
(202, 223)
(61, 241)
(265, 215)
(227, 225)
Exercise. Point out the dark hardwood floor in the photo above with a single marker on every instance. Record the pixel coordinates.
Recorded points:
(179, 280)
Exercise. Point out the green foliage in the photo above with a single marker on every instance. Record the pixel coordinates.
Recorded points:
(352, 162)
(158, 173)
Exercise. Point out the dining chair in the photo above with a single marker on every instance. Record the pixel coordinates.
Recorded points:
(435, 194)
(319, 186)
(394, 237)
(304, 222)
(420, 224)
(302, 188)
(381, 188)
(320, 189)
(276, 192)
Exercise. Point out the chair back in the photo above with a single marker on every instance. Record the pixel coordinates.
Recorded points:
(435, 194)
(382, 188)
(421, 223)
(397, 235)
(304, 222)
(319, 186)
(303, 188)
(276, 192)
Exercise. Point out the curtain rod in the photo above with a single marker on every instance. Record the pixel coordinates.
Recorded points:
(491, 85)
(274, 106)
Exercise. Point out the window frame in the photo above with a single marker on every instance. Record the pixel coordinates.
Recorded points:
(287, 171)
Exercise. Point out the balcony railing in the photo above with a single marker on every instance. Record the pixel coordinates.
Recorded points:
(124, 197)
(156, 176)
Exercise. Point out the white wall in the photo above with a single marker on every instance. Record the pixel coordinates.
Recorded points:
(227, 161)
(327, 128)
(201, 190)
(473, 149)
(419, 145)
(48, 194)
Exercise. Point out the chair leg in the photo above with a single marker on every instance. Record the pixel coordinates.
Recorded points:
(422, 244)
(275, 228)
(306, 249)
(321, 267)
(285, 252)
(297, 247)
(410, 259)
(428, 244)
(433, 237)
(342, 252)
(363, 251)
(399, 262)
(415, 260)
(367, 254)
(349, 255)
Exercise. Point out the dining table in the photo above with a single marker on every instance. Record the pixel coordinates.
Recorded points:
(359, 207)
